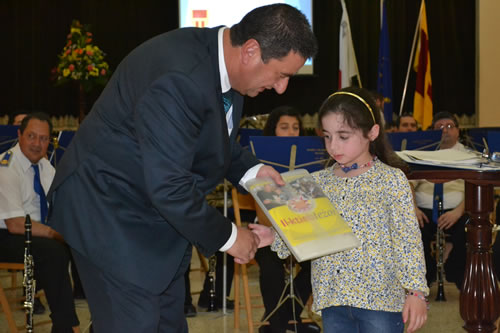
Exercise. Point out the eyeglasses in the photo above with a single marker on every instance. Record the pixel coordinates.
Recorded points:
(449, 126)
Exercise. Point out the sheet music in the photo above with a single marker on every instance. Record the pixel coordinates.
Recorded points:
(449, 158)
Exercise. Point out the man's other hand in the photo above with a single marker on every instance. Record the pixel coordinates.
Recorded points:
(269, 171)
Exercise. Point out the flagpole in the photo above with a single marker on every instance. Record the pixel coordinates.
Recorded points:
(417, 28)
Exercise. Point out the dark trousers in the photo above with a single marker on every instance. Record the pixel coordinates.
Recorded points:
(455, 264)
(51, 259)
(272, 283)
(118, 306)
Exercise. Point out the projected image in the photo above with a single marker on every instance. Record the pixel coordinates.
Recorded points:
(206, 13)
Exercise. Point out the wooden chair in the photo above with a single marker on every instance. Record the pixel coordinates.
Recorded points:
(243, 201)
(4, 301)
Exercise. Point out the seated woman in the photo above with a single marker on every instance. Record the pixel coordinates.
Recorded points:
(283, 121)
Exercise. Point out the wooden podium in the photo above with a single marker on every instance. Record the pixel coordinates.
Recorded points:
(479, 295)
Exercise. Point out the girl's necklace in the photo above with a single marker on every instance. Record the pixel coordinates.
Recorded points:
(355, 166)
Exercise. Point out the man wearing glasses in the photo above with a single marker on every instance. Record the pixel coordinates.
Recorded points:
(452, 221)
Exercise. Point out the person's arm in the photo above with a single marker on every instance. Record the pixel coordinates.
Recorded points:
(169, 121)
(414, 310)
(15, 226)
(421, 217)
(408, 250)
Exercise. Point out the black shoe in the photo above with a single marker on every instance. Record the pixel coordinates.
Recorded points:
(189, 311)
(38, 307)
(305, 328)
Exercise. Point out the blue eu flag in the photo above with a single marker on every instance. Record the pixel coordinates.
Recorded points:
(384, 82)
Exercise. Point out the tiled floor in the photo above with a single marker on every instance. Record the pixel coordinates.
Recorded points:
(444, 317)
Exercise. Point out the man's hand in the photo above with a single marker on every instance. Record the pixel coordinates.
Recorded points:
(266, 234)
(421, 217)
(15, 225)
(268, 171)
(448, 219)
(245, 246)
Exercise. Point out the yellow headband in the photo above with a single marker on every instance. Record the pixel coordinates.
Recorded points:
(359, 98)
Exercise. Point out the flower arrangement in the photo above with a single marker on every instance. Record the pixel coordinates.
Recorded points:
(80, 60)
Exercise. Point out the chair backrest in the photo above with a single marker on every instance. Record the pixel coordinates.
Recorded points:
(241, 201)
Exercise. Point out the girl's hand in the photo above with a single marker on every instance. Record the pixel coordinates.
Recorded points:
(414, 313)
(266, 234)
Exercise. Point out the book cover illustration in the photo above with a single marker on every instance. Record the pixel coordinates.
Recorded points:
(302, 215)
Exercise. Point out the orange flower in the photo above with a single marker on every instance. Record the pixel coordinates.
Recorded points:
(71, 67)
(68, 51)
(88, 40)
(80, 51)
(90, 53)
(90, 68)
(103, 71)
(89, 34)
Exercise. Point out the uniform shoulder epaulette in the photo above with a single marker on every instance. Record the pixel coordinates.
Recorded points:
(7, 157)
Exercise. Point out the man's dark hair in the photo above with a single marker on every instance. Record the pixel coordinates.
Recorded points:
(279, 29)
(42, 116)
(274, 118)
(14, 114)
(444, 115)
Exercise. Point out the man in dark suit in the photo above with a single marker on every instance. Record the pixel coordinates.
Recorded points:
(129, 193)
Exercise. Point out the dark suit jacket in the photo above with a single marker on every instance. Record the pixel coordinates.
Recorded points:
(129, 193)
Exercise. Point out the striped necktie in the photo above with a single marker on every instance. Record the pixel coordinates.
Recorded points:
(227, 98)
(41, 193)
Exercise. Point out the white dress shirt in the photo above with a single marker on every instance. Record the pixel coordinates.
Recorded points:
(226, 86)
(17, 193)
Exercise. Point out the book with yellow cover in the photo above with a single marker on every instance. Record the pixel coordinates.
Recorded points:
(303, 215)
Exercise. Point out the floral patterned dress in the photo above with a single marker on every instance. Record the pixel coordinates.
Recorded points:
(378, 206)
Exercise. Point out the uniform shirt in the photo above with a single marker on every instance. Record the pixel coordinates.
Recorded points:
(453, 191)
(378, 206)
(17, 194)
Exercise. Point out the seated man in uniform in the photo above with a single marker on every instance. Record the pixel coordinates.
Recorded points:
(25, 176)
(452, 221)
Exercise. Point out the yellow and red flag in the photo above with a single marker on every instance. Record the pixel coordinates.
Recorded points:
(422, 104)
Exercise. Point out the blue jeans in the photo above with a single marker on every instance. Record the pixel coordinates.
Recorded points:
(348, 319)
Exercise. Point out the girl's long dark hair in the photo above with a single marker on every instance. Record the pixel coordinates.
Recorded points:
(357, 116)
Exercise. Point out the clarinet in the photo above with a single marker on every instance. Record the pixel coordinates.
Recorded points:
(211, 278)
(29, 282)
(440, 245)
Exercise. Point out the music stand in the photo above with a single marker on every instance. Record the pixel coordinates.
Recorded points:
(8, 137)
(473, 137)
(420, 140)
(244, 135)
(290, 153)
(286, 154)
(58, 146)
